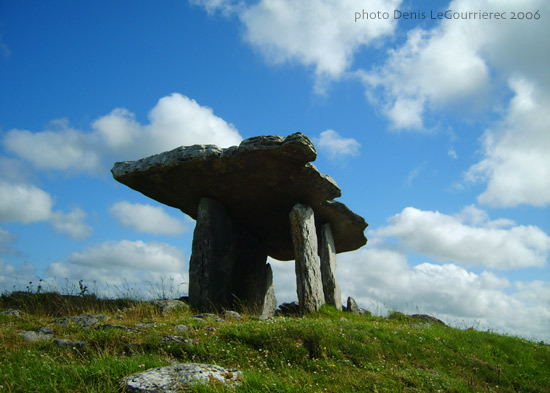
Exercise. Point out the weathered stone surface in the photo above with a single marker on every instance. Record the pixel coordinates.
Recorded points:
(269, 300)
(289, 309)
(70, 343)
(173, 379)
(169, 305)
(228, 267)
(327, 253)
(308, 274)
(263, 178)
(181, 328)
(42, 334)
(227, 314)
(428, 319)
(206, 315)
(355, 309)
(11, 312)
(352, 306)
(84, 320)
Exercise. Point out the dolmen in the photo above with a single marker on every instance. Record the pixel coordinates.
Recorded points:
(261, 198)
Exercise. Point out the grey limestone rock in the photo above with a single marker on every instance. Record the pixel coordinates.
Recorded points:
(70, 343)
(83, 320)
(228, 266)
(241, 198)
(181, 328)
(354, 308)
(178, 377)
(11, 312)
(42, 334)
(327, 255)
(264, 177)
(228, 314)
(308, 275)
(169, 305)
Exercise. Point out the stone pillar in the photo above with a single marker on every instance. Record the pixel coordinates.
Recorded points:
(308, 274)
(212, 257)
(252, 280)
(327, 253)
(228, 269)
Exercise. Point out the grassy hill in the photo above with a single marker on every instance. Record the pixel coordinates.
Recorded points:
(330, 351)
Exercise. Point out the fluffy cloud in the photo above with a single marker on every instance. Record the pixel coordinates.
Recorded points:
(60, 147)
(26, 203)
(117, 264)
(382, 281)
(320, 34)
(175, 120)
(6, 241)
(146, 218)
(468, 238)
(336, 146)
(516, 166)
(71, 223)
(453, 63)
(23, 203)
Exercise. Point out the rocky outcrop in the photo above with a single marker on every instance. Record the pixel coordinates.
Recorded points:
(308, 274)
(179, 377)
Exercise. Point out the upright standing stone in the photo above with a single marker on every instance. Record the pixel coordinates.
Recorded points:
(228, 266)
(212, 257)
(308, 274)
(327, 252)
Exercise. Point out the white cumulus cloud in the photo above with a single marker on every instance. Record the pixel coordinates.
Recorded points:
(458, 63)
(336, 146)
(382, 280)
(321, 34)
(26, 203)
(468, 238)
(516, 165)
(175, 120)
(146, 218)
(122, 262)
(23, 203)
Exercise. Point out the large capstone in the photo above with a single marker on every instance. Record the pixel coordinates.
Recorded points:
(258, 183)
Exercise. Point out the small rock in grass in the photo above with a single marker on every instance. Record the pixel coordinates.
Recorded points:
(205, 316)
(42, 334)
(178, 377)
(12, 312)
(232, 315)
(169, 305)
(84, 321)
(70, 343)
(181, 328)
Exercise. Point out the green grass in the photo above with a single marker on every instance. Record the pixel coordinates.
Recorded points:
(329, 351)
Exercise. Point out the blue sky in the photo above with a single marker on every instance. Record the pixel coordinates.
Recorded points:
(436, 130)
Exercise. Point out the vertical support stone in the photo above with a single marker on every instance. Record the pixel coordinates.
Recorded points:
(327, 253)
(308, 274)
(252, 281)
(227, 268)
(212, 257)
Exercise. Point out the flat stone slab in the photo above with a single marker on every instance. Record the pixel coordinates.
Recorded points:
(180, 377)
(258, 182)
